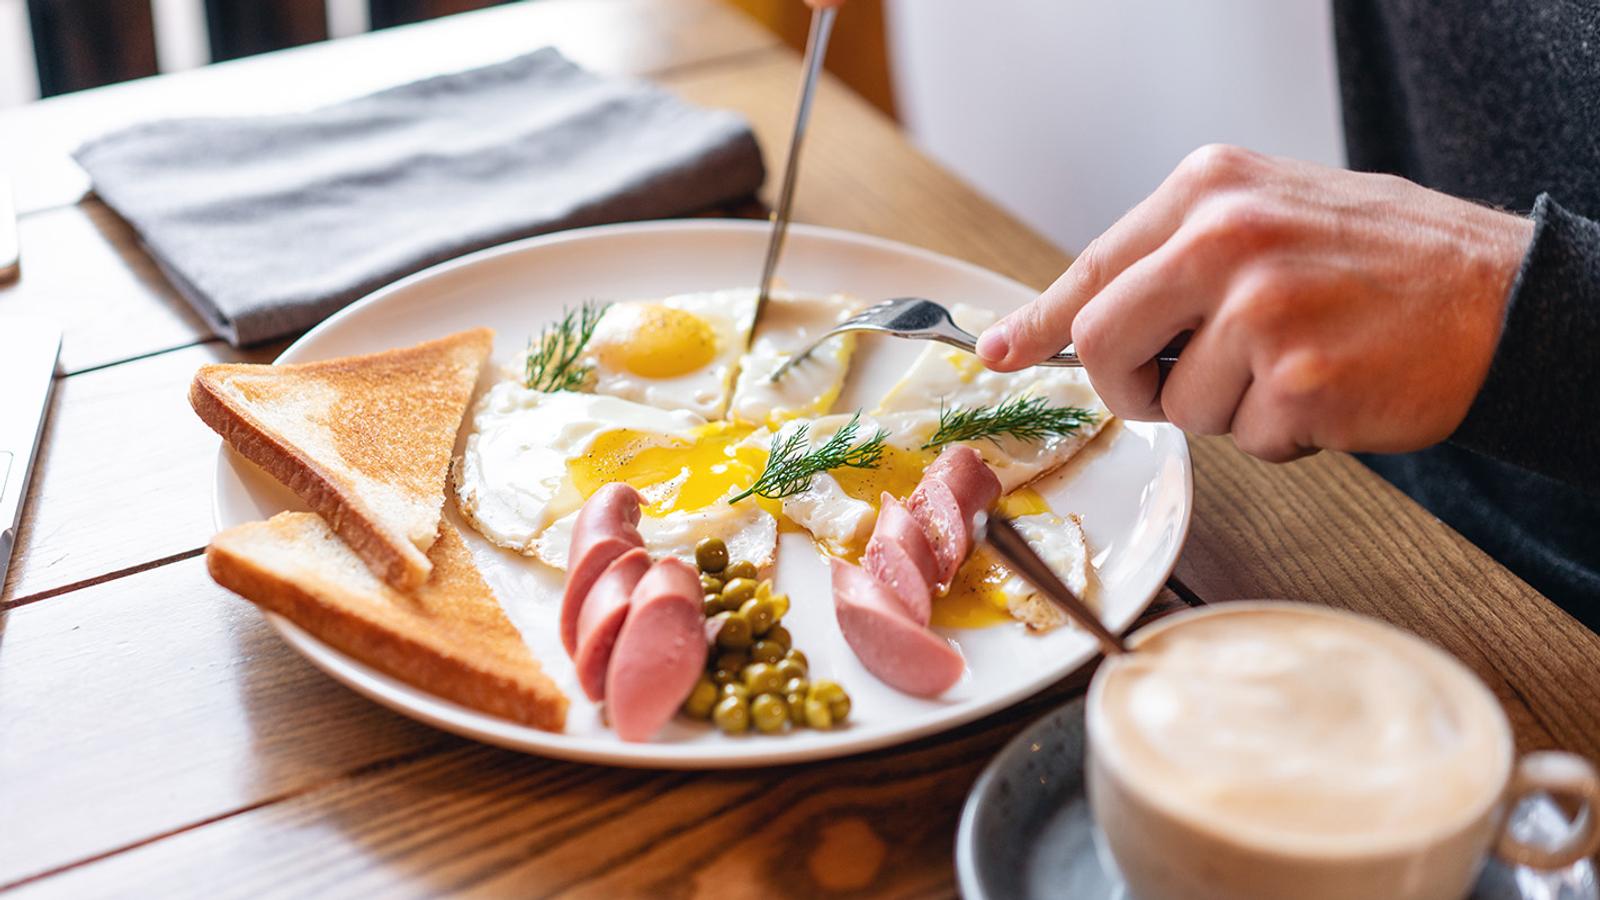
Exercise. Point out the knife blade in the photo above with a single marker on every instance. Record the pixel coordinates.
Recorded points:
(816, 51)
(28, 351)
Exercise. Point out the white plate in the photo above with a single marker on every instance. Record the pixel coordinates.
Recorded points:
(1132, 485)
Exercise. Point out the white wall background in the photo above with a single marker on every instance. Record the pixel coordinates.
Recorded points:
(1068, 112)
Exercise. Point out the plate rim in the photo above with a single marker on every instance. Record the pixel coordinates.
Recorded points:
(438, 712)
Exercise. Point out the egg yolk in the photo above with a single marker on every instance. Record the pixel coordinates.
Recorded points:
(655, 341)
(706, 466)
(897, 472)
(974, 599)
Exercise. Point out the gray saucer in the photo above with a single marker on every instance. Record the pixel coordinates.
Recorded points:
(1026, 830)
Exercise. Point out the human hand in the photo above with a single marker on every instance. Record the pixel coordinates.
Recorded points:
(1329, 309)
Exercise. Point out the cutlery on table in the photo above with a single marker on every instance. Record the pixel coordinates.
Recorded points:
(921, 319)
(816, 50)
(28, 350)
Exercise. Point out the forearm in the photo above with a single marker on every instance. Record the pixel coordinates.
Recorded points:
(1539, 408)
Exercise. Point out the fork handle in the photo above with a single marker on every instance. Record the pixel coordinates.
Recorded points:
(956, 336)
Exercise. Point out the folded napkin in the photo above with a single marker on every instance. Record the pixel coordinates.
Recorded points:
(269, 224)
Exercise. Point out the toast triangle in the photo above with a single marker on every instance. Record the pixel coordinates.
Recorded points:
(449, 637)
(364, 440)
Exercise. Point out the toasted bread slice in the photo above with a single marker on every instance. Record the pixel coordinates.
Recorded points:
(449, 637)
(364, 440)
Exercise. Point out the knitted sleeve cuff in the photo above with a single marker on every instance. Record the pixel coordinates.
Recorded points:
(1540, 406)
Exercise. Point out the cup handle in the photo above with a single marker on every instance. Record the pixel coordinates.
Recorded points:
(1562, 775)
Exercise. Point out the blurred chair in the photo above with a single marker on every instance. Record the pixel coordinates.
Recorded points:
(84, 43)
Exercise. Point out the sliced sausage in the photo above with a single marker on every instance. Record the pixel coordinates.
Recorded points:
(901, 653)
(971, 481)
(899, 556)
(602, 616)
(660, 653)
(949, 533)
(606, 528)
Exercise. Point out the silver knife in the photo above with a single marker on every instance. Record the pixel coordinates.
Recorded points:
(816, 50)
(28, 350)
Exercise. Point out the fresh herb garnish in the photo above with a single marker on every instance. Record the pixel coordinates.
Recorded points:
(1024, 418)
(789, 467)
(553, 356)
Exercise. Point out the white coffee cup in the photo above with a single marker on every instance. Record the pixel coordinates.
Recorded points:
(1278, 750)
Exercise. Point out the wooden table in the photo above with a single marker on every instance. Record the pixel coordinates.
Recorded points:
(157, 739)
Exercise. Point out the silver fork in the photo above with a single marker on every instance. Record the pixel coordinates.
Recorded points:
(924, 320)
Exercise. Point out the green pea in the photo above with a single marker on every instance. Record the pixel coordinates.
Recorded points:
(817, 714)
(734, 660)
(769, 712)
(732, 715)
(780, 605)
(711, 605)
(701, 699)
(797, 686)
(799, 659)
(721, 677)
(736, 690)
(830, 693)
(711, 555)
(766, 651)
(732, 630)
(791, 670)
(797, 708)
(759, 612)
(780, 635)
(737, 591)
(743, 569)
(762, 678)
(710, 584)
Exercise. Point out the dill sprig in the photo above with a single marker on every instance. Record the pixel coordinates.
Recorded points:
(789, 467)
(1024, 418)
(553, 356)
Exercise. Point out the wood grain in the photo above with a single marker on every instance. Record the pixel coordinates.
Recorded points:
(276, 781)
(125, 473)
(156, 701)
(616, 36)
(1328, 531)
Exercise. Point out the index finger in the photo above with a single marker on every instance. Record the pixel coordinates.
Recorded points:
(1044, 326)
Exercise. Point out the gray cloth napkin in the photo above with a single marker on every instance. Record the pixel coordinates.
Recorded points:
(269, 224)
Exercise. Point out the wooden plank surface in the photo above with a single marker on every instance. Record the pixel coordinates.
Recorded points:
(150, 703)
(124, 473)
(1327, 530)
(616, 36)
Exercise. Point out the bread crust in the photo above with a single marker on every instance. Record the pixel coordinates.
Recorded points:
(446, 655)
(391, 555)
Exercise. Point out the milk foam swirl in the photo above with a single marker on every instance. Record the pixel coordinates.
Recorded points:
(1302, 727)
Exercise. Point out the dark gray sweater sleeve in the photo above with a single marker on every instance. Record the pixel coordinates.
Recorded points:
(1540, 407)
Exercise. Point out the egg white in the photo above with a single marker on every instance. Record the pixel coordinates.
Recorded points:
(1060, 542)
(789, 323)
(750, 533)
(512, 479)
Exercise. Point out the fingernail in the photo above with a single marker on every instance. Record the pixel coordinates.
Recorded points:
(993, 345)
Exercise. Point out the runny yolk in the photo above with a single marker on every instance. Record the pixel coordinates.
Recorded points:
(706, 466)
(897, 472)
(974, 599)
(655, 341)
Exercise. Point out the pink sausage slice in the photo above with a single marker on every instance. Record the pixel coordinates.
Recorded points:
(602, 617)
(949, 533)
(971, 481)
(903, 654)
(606, 528)
(899, 556)
(659, 654)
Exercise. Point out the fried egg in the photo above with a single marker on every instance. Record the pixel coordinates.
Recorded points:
(946, 378)
(514, 477)
(809, 388)
(677, 353)
(985, 592)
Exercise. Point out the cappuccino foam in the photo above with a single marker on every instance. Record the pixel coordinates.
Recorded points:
(1302, 729)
